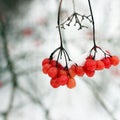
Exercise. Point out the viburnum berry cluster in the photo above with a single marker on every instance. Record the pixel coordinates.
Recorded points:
(92, 64)
(60, 75)
(64, 75)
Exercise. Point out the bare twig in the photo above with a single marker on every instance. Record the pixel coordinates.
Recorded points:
(99, 98)
(78, 20)
(10, 68)
(36, 100)
(14, 78)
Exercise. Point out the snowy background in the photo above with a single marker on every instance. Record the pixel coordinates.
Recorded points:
(28, 34)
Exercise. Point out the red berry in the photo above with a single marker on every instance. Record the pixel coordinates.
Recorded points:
(90, 73)
(90, 64)
(89, 57)
(60, 66)
(99, 65)
(71, 83)
(54, 83)
(53, 63)
(73, 67)
(62, 72)
(79, 70)
(72, 73)
(63, 79)
(114, 60)
(106, 62)
(52, 72)
(45, 68)
(45, 61)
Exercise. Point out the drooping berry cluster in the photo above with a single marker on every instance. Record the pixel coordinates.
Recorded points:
(60, 75)
(64, 75)
(105, 62)
(91, 65)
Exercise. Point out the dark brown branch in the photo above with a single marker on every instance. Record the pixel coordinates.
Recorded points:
(91, 12)
(9, 66)
(78, 20)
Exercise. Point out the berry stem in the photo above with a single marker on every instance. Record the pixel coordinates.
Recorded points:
(93, 23)
(51, 56)
(95, 51)
(67, 55)
(58, 23)
(59, 55)
(65, 59)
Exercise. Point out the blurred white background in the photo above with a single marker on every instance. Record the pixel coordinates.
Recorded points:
(28, 34)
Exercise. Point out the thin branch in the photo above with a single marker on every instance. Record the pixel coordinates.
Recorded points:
(91, 12)
(58, 23)
(99, 99)
(78, 20)
(35, 100)
(12, 96)
(28, 71)
(10, 68)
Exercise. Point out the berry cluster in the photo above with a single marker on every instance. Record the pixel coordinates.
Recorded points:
(61, 76)
(91, 65)
(65, 75)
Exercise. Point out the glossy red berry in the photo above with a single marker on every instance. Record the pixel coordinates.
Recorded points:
(90, 64)
(90, 57)
(52, 72)
(79, 70)
(62, 80)
(45, 61)
(73, 67)
(99, 65)
(71, 83)
(46, 67)
(54, 83)
(53, 63)
(62, 72)
(59, 66)
(106, 62)
(89, 73)
(72, 72)
(114, 60)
